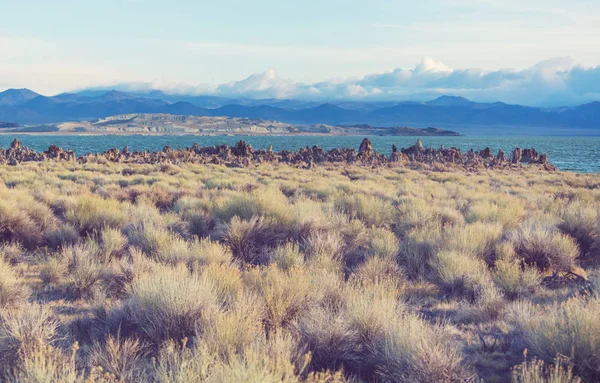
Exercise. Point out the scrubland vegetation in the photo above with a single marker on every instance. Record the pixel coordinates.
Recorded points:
(161, 273)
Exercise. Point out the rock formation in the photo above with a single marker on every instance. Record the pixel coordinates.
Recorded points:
(243, 155)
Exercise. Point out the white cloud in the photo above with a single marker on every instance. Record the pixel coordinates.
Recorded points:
(552, 82)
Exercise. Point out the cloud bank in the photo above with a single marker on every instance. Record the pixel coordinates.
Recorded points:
(554, 82)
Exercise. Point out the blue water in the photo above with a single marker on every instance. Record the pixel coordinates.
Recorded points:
(577, 154)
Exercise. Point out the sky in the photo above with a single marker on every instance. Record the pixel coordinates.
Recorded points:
(535, 52)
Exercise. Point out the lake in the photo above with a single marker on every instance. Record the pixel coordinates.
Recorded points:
(577, 154)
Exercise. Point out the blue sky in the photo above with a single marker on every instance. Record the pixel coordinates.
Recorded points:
(541, 52)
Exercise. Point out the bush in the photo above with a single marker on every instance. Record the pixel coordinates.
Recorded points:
(93, 213)
(545, 249)
(47, 364)
(64, 235)
(236, 328)
(383, 243)
(287, 256)
(537, 371)
(178, 363)
(26, 329)
(373, 211)
(333, 344)
(569, 329)
(12, 290)
(417, 249)
(53, 270)
(250, 240)
(285, 295)
(459, 274)
(11, 252)
(17, 226)
(581, 222)
(515, 280)
(414, 351)
(170, 304)
(113, 243)
(121, 358)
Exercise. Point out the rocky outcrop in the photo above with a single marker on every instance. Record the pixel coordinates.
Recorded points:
(243, 155)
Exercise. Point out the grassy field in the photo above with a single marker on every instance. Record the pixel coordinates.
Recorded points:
(161, 273)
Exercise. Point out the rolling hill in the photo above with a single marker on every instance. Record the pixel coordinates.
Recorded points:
(26, 107)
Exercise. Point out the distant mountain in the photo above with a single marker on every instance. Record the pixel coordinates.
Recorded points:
(13, 97)
(26, 107)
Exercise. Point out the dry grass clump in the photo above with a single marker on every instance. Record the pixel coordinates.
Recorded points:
(284, 294)
(545, 249)
(170, 304)
(460, 274)
(536, 371)
(418, 352)
(197, 272)
(570, 329)
(512, 277)
(248, 239)
(18, 226)
(12, 289)
(373, 211)
(582, 223)
(120, 358)
(11, 252)
(93, 213)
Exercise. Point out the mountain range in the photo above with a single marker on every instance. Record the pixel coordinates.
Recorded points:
(26, 107)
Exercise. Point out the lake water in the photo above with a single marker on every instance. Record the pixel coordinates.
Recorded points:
(577, 154)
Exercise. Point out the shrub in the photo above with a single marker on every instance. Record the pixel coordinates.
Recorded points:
(170, 304)
(178, 363)
(284, 294)
(581, 222)
(113, 243)
(269, 361)
(153, 240)
(418, 247)
(333, 344)
(47, 364)
(225, 279)
(514, 279)
(236, 328)
(64, 235)
(84, 268)
(11, 252)
(373, 211)
(545, 249)
(459, 274)
(378, 269)
(12, 290)
(52, 270)
(93, 213)
(383, 243)
(250, 240)
(17, 226)
(418, 352)
(121, 358)
(206, 252)
(287, 256)
(476, 240)
(508, 216)
(536, 371)
(25, 329)
(569, 329)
